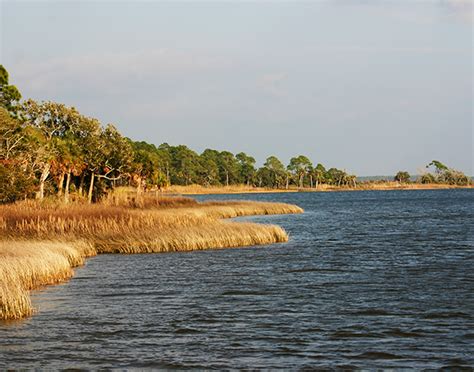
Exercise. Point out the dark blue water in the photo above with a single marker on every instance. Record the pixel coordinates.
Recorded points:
(368, 279)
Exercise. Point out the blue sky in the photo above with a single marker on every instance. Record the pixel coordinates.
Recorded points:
(369, 86)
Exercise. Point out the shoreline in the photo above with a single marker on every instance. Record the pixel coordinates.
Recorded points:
(388, 186)
(41, 243)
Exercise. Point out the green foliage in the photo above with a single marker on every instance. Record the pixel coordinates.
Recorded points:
(13, 139)
(428, 178)
(402, 177)
(228, 168)
(185, 165)
(273, 173)
(300, 166)
(3, 76)
(444, 174)
(210, 167)
(15, 183)
(247, 167)
(9, 94)
(439, 167)
(265, 178)
(453, 177)
(339, 177)
(319, 174)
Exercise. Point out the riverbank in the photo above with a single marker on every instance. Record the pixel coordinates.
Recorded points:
(363, 186)
(41, 242)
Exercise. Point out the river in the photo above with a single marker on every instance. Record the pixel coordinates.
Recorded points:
(375, 279)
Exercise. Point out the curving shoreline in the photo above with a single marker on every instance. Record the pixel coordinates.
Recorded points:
(41, 243)
(364, 186)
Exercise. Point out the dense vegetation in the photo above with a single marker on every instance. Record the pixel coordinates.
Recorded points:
(48, 148)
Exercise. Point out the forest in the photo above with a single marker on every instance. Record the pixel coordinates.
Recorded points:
(48, 148)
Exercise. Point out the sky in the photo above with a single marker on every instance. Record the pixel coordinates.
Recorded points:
(368, 86)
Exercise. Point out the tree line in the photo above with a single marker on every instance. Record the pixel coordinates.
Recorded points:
(49, 148)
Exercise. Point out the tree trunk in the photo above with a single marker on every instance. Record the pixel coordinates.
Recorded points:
(139, 187)
(43, 178)
(227, 178)
(301, 181)
(287, 181)
(81, 184)
(66, 190)
(317, 183)
(61, 184)
(91, 187)
(311, 180)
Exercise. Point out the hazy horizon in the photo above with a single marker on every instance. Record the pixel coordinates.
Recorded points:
(368, 86)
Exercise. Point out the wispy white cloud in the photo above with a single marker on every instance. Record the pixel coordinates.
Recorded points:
(117, 73)
(424, 11)
(460, 9)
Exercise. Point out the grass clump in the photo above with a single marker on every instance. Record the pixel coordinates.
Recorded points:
(26, 265)
(40, 243)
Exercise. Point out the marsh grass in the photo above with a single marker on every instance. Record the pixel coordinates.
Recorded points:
(360, 186)
(394, 185)
(29, 265)
(231, 189)
(41, 242)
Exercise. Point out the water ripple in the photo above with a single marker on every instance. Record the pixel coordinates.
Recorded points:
(378, 280)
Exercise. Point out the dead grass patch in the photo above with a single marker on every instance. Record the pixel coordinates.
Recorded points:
(40, 243)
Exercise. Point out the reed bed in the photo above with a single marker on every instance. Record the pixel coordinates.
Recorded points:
(394, 185)
(40, 243)
(231, 189)
(212, 235)
(29, 265)
(364, 185)
(100, 222)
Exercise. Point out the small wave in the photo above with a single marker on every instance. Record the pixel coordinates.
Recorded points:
(377, 355)
(400, 333)
(348, 334)
(347, 367)
(313, 330)
(447, 315)
(371, 312)
(457, 367)
(316, 269)
(185, 331)
(244, 293)
(160, 365)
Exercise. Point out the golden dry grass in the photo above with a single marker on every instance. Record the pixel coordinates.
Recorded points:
(366, 185)
(125, 224)
(231, 189)
(393, 185)
(28, 265)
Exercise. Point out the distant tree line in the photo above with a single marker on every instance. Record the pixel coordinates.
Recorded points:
(49, 148)
(444, 174)
(440, 173)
